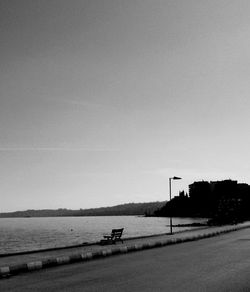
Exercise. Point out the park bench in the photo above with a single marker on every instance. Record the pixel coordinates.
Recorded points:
(115, 236)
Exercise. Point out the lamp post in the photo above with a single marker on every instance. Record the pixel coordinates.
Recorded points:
(170, 218)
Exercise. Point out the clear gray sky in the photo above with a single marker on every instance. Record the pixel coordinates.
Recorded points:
(102, 101)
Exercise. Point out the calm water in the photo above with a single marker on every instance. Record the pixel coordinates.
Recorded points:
(22, 234)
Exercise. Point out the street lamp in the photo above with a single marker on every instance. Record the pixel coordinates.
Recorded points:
(170, 219)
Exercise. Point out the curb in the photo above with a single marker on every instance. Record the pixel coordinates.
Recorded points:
(7, 271)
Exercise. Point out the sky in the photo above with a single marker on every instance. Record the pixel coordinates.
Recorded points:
(101, 101)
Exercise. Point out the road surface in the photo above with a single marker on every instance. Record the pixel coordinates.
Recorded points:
(216, 264)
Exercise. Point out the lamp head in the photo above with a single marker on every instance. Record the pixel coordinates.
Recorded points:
(176, 177)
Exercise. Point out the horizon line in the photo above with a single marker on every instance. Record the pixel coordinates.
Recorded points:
(57, 149)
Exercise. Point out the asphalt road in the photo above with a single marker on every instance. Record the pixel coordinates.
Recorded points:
(216, 264)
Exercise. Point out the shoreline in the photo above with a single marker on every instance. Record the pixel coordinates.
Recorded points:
(14, 265)
(86, 244)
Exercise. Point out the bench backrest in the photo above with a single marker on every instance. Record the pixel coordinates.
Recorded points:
(117, 233)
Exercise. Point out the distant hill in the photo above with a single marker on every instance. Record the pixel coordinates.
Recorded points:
(124, 209)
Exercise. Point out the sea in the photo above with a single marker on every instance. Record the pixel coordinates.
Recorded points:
(29, 234)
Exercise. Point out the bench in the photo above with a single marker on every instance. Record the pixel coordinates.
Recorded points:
(115, 236)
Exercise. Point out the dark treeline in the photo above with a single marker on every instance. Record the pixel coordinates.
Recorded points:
(124, 209)
(224, 202)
